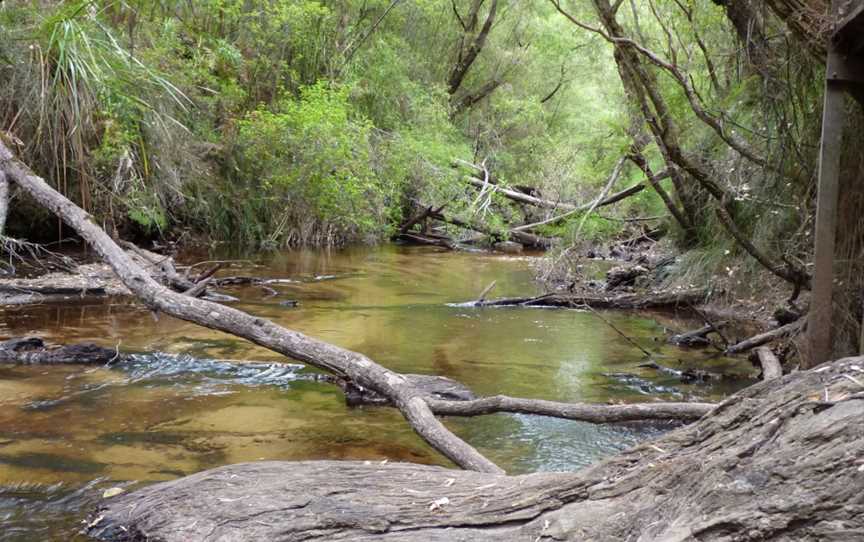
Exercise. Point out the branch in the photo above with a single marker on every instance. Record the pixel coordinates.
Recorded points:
(572, 411)
(351, 49)
(796, 276)
(4, 202)
(460, 70)
(679, 78)
(765, 338)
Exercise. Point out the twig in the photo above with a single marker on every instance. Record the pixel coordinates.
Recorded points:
(618, 331)
(485, 292)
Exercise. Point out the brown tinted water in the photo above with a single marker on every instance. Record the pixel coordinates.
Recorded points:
(193, 398)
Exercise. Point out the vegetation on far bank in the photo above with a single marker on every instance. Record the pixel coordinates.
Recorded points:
(301, 122)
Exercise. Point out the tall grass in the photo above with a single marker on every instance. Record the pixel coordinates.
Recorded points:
(69, 85)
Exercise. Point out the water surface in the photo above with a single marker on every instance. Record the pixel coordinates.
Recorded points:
(192, 398)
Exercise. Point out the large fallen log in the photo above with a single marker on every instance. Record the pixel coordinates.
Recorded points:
(672, 299)
(520, 196)
(771, 367)
(764, 338)
(399, 390)
(522, 237)
(782, 460)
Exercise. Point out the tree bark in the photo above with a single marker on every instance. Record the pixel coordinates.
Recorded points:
(521, 197)
(781, 460)
(771, 367)
(4, 203)
(468, 56)
(767, 337)
(684, 298)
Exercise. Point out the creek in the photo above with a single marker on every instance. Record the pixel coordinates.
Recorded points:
(192, 398)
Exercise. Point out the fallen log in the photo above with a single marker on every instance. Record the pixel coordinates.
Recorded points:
(771, 367)
(765, 338)
(399, 390)
(781, 460)
(572, 411)
(428, 240)
(697, 337)
(522, 237)
(683, 298)
(520, 196)
(34, 351)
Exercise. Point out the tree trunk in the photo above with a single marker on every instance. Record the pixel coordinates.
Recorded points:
(683, 299)
(781, 460)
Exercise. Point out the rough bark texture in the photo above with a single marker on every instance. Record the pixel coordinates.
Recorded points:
(95, 280)
(683, 299)
(4, 202)
(767, 337)
(697, 337)
(771, 367)
(782, 460)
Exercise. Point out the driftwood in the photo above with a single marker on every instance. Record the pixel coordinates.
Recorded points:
(350, 366)
(421, 239)
(572, 411)
(419, 217)
(522, 237)
(765, 338)
(92, 281)
(781, 460)
(697, 337)
(771, 367)
(520, 196)
(674, 299)
(34, 351)
(4, 202)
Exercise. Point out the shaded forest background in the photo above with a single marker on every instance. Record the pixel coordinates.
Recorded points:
(295, 122)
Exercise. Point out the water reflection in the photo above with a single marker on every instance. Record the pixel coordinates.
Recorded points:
(194, 398)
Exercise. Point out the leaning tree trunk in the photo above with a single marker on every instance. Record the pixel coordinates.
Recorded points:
(782, 460)
(416, 402)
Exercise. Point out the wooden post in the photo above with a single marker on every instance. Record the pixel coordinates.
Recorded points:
(819, 326)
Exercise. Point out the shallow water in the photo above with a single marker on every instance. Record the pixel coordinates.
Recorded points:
(193, 398)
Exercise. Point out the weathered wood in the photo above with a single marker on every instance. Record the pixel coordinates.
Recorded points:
(572, 411)
(697, 337)
(34, 351)
(521, 197)
(781, 460)
(419, 217)
(771, 367)
(428, 240)
(344, 363)
(765, 338)
(683, 298)
(522, 237)
(4, 202)
(624, 275)
(820, 316)
(485, 292)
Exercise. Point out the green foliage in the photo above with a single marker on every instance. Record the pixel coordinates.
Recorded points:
(314, 161)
